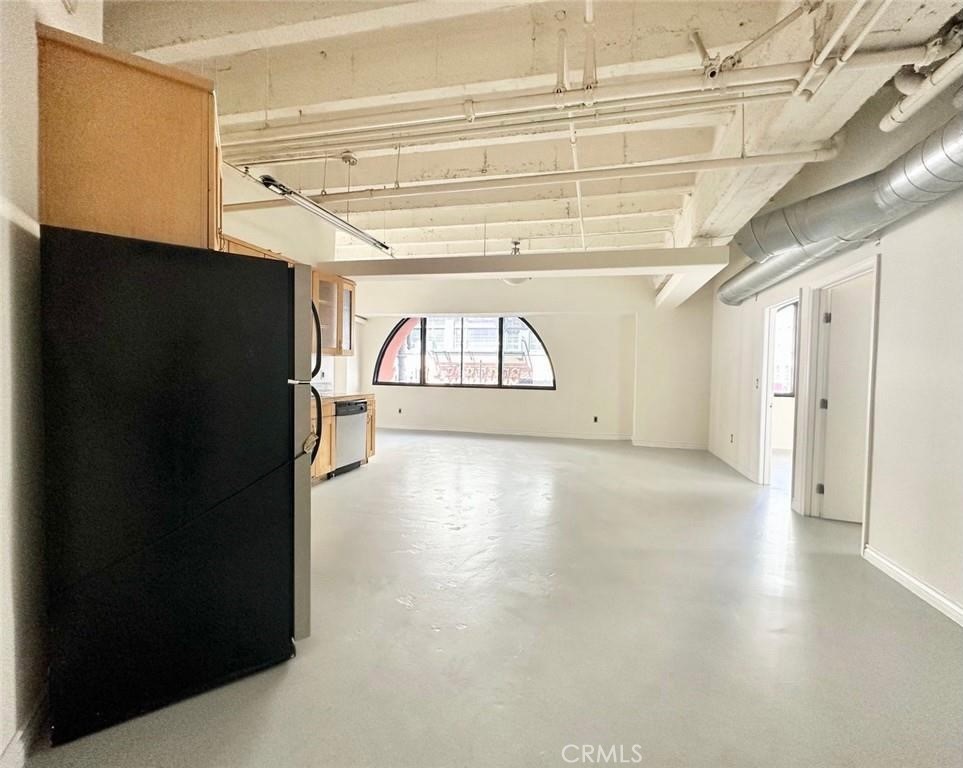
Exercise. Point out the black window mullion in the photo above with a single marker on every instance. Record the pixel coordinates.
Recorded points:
(424, 348)
(461, 360)
(501, 348)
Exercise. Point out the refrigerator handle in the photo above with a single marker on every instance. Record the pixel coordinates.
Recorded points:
(317, 403)
(317, 343)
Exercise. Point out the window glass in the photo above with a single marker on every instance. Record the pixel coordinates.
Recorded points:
(443, 353)
(784, 352)
(480, 355)
(464, 352)
(525, 362)
(400, 361)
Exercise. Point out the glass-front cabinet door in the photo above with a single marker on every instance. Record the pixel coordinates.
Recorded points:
(334, 298)
(325, 292)
(347, 317)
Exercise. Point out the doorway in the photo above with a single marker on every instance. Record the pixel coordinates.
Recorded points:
(783, 335)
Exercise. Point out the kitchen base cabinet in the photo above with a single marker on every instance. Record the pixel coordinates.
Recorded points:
(370, 443)
(324, 461)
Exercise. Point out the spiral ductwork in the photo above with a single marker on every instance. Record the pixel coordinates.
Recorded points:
(789, 240)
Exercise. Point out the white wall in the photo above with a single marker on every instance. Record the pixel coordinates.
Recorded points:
(783, 413)
(656, 394)
(916, 494)
(593, 358)
(673, 359)
(22, 619)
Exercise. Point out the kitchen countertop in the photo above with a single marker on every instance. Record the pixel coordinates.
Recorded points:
(340, 398)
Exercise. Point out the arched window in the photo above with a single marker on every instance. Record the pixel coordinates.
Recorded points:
(469, 351)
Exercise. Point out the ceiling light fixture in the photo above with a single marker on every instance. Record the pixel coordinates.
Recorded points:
(309, 205)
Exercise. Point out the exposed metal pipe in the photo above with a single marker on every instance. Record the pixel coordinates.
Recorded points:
(736, 58)
(668, 87)
(939, 80)
(789, 240)
(853, 46)
(589, 73)
(830, 44)
(561, 81)
(311, 149)
(561, 177)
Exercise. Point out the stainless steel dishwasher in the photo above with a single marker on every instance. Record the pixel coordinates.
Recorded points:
(351, 426)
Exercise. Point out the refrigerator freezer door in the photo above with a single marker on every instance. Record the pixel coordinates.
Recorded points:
(302, 548)
(304, 442)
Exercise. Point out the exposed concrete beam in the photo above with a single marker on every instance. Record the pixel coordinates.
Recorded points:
(681, 286)
(654, 261)
(262, 157)
(628, 241)
(373, 20)
(520, 229)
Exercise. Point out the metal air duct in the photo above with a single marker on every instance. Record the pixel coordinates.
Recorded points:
(789, 240)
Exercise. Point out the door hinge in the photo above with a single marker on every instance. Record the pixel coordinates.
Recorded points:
(820, 488)
(823, 404)
(827, 317)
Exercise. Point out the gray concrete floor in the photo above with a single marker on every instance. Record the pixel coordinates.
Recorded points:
(487, 601)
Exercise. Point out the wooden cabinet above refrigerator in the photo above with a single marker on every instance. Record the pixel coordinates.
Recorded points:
(127, 146)
(334, 298)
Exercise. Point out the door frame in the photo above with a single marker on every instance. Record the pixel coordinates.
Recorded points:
(809, 439)
(768, 361)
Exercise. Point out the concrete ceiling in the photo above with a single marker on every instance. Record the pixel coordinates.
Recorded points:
(299, 82)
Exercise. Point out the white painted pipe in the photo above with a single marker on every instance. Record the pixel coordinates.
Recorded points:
(830, 44)
(675, 85)
(563, 177)
(736, 59)
(304, 150)
(561, 82)
(854, 45)
(589, 72)
(939, 80)
(497, 122)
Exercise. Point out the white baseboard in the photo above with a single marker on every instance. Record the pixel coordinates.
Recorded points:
(15, 753)
(505, 432)
(679, 446)
(921, 589)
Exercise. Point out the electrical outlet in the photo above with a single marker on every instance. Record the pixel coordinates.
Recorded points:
(595, 419)
(731, 438)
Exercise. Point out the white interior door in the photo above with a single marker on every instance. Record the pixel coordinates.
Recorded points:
(845, 390)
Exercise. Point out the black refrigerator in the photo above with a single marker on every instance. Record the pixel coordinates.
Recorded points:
(177, 461)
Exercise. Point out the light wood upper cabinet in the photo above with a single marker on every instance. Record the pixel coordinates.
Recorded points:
(334, 298)
(127, 146)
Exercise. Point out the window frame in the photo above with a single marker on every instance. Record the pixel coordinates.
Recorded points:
(795, 346)
(422, 382)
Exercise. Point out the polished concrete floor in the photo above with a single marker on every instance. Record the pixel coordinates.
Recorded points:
(483, 601)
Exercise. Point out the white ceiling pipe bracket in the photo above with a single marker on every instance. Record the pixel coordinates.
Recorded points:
(561, 177)
(947, 75)
(827, 49)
